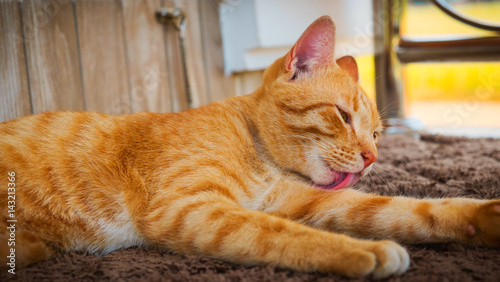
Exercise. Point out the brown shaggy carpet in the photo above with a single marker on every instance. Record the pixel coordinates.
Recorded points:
(435, 166)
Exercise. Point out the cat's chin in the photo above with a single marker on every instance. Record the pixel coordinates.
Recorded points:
(344, 180)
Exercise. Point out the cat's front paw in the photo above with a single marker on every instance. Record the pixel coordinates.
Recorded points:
(484, 226)
(391, 259)
(379, 259)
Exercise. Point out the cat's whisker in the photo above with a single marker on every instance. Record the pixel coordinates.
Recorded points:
(383, 179)
(322, 148)
(321, 144)
(384, 113)
(327, 152)
(297, 161)
(302, 146)
(382, 75)
(337, 161)
(380, 170)
(326, 141)
(370, 174)
(377, 168)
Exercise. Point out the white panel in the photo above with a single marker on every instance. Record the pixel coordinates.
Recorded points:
(281, 22)
(256, 32)
(239, 33)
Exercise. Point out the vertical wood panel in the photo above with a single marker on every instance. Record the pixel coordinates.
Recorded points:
(103, 56)
(194, 53)
(220, 86)
(52, 55)
(14, 92)
(175, 72)
(145, 45)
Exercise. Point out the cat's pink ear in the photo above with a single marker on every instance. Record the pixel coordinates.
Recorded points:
(314, 47)
(348, 64)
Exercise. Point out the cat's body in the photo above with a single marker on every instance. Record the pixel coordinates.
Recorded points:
(254, 179)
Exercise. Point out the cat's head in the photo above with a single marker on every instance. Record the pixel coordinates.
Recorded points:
(313, 117)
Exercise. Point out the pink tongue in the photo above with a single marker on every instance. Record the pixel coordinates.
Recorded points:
(350, 180)
(343, 180)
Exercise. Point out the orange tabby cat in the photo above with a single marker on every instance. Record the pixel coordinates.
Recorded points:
(259, 179)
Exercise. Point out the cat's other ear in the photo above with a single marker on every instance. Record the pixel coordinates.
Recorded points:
(348, 64)
(313, 49)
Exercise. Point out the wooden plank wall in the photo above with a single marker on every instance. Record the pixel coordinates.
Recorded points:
(110, 56)
(13, 75)
(146, 57)
(219, 85)
(52, 56)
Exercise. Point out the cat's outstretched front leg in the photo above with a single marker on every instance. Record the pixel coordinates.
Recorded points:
(211, 223)
(409, 220)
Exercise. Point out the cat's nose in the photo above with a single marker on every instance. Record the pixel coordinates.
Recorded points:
(369, 158)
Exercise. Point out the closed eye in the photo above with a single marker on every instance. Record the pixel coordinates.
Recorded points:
(346, 117)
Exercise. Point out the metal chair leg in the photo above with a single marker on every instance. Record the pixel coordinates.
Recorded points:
(388, 70)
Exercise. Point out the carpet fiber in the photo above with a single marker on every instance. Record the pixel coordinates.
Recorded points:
(435, 166)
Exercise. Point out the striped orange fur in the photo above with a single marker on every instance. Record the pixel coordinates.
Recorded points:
(258, 179)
